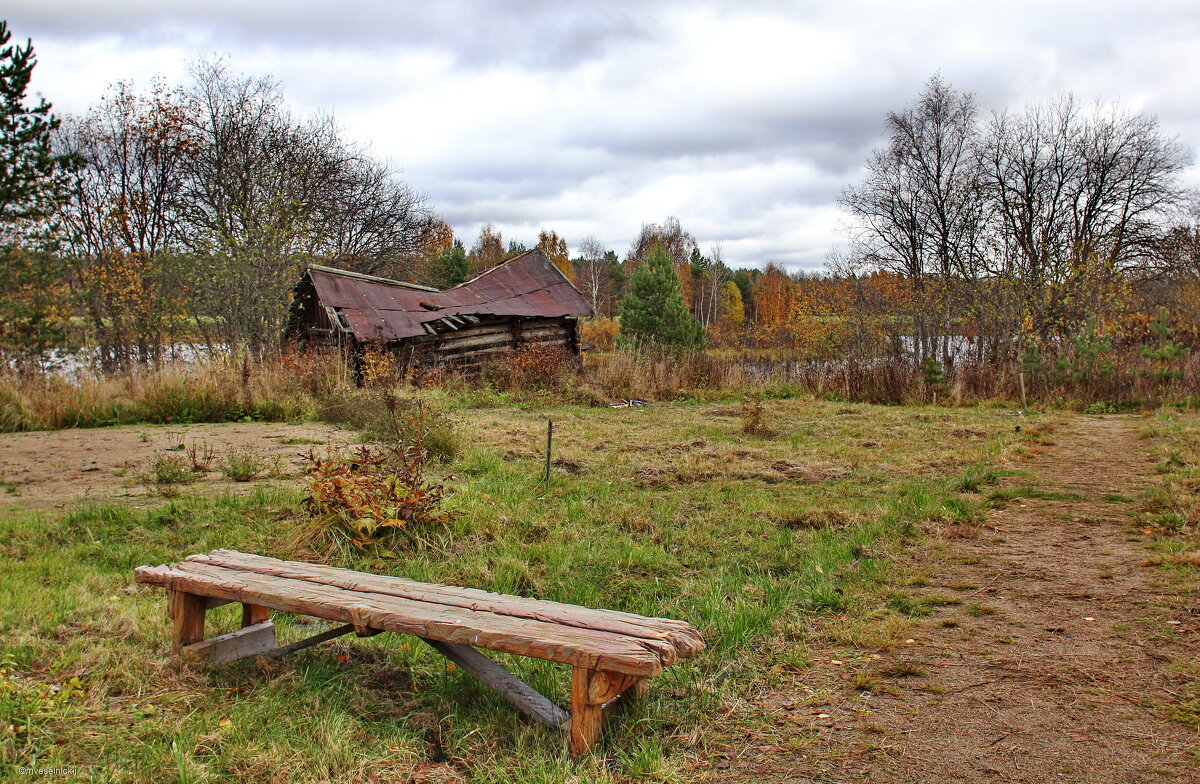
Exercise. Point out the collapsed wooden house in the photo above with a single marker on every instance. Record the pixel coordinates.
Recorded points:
(524, 301)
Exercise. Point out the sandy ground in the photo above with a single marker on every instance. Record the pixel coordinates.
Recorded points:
(48, 470)
(1049, 670)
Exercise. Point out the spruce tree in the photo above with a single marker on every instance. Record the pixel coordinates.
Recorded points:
(653, 313)
(33, 181)
(451, 267)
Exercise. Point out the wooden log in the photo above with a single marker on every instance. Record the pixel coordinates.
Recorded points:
(462, 342)
(472, 355)
(254, 613)
(187, 618)
(308, 642)
(590, 691)
(557, 331)
(535, 323)
(685, 640)
(212, 602)
(248, 641)
(554, 642)
(515, 691)
(476, 331)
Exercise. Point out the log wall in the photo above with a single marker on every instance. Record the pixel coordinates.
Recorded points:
(469, 349)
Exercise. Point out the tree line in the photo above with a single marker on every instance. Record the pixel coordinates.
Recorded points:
(186, 213)
(1018, 228)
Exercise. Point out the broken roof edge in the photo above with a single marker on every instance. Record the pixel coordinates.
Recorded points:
(487, 272)
(508, 261)
(370, 278)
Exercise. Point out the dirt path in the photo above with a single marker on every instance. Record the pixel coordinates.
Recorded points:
(1043, 668)
(54, 469)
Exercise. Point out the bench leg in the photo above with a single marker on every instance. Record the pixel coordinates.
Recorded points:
(254, 613)
(187, 619)
(590, 691)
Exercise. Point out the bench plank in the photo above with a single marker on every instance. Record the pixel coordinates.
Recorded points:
(682, 636)
(590, 648)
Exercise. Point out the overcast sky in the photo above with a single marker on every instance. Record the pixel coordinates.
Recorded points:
(745, 120)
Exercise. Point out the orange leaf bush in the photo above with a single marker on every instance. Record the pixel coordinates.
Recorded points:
(372, 492)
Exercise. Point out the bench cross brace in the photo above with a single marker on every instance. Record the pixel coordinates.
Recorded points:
(517, 692)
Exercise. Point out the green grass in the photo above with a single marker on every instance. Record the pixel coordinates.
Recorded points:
(665, 510)
(980, 610)
(1002, 496)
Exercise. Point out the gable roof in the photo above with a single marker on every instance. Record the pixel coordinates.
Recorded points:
(376, 309)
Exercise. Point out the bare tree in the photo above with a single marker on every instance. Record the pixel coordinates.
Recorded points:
(123, 222)
(1078, 196)
(592, 252)
(679, 244)
(1023, 226)
(370, 221)
(920, 212)
(671, 235)
(717, 275)
(888, 231)
(269, 192)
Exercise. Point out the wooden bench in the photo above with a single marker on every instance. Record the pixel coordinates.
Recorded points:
(611, 653)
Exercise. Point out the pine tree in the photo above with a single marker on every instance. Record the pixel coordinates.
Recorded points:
(653, 313)
(934, 377)
(1168, 353)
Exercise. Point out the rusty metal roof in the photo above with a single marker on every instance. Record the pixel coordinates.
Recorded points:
(377, 309)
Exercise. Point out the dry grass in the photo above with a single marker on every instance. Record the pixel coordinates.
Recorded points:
(218, 391)
(299, 386)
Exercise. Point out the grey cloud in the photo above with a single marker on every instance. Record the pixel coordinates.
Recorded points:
(600, 121)
(535, 34)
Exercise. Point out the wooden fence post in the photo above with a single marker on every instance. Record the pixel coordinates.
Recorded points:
(549, 441)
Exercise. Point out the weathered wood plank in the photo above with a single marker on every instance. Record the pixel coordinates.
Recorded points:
(515, 691)
(472, 332)
(685, 640)
(240, 644)
(554, 642)
(472, 598)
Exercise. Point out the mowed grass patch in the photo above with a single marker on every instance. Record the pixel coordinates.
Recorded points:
(667, 510)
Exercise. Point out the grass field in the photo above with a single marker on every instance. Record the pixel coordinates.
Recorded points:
(772, 544)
